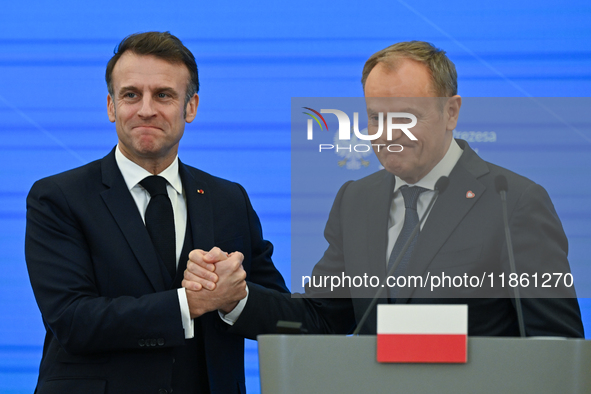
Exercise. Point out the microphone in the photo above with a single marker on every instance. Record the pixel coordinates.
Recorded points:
(502, 186)
(441, 184)
(440, 187)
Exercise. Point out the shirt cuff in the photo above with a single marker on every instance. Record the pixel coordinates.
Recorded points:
(188, 324)
(230, 318)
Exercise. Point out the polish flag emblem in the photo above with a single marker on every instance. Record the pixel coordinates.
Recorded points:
(422, 333)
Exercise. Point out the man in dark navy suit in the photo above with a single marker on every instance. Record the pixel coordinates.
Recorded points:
(107, 245)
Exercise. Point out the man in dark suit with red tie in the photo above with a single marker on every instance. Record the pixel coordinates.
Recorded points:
(107, 245)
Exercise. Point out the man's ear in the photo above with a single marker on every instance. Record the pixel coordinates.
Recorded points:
(452, 109)
(111, 108)
(191, 108)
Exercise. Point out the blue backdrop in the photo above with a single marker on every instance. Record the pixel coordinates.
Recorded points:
(253, 56)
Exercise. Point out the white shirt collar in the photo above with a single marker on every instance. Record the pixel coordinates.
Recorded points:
(133, 173)
(443, 168)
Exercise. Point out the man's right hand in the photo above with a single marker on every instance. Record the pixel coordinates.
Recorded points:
(200, 272)
(214, 280)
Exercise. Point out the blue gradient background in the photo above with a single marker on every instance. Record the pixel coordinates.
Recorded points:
(253, 56)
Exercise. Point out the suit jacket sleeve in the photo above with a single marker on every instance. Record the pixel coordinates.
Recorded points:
(62, 274)
(260, 269)
(318, 314)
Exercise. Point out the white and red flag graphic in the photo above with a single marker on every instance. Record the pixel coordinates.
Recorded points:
(422, 333)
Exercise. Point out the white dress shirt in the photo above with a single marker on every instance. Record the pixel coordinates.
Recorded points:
(133, 174)
(443, 168)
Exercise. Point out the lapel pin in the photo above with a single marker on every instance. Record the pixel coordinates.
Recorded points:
(470, 194)
(200, 191)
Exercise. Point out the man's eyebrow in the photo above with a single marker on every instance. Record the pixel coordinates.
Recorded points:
(168, 90)
(372, 111)
(164, 89)
(128, 89)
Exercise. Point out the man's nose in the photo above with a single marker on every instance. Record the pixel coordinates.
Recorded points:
(396, 134)
(147, 109)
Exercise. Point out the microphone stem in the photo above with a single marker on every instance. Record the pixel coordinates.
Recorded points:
(512, 264)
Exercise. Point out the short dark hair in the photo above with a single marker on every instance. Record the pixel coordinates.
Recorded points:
(444, 77)
(162, 45)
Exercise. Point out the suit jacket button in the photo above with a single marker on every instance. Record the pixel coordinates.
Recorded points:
(141, 342)
(162, 391)
(153, 342)
(160, 341)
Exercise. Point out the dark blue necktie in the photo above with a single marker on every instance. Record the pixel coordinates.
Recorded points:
(160, 221)
(411, 219)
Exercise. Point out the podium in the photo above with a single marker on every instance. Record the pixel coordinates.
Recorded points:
(306, 364)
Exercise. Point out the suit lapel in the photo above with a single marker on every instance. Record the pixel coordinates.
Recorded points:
(126, 214)
(200, 215)
(376, 212)
(377, 223)
(199, 209)
(447, 213)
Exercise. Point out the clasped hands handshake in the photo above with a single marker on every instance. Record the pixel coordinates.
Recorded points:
(214, 280)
